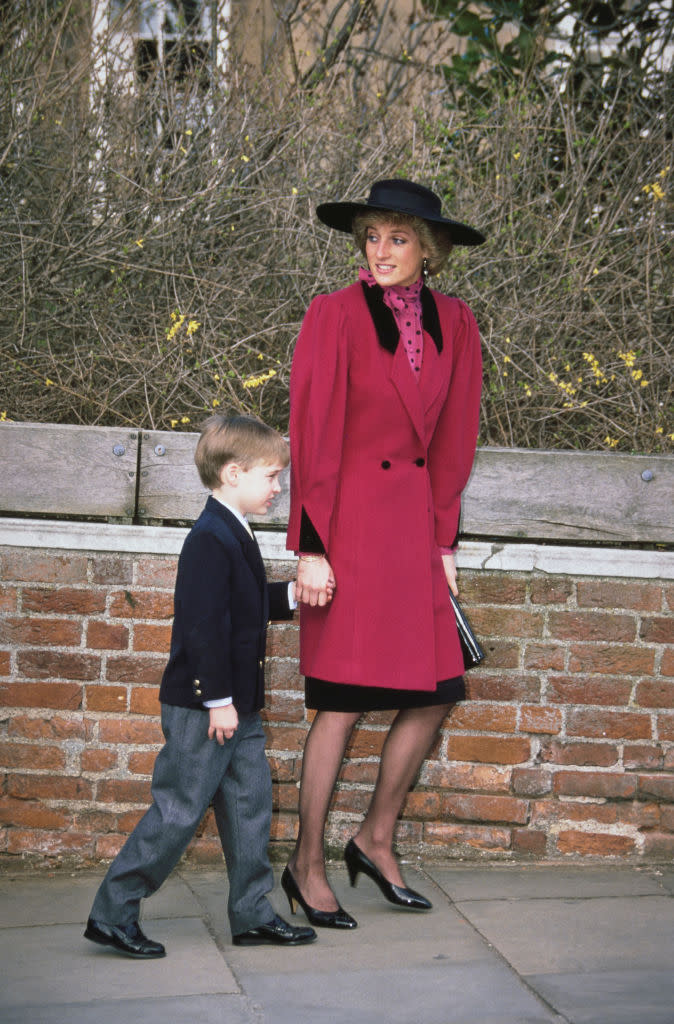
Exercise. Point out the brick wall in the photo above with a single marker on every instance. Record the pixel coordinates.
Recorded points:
(565, 749)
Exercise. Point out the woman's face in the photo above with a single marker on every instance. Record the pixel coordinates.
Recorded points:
(393, 253)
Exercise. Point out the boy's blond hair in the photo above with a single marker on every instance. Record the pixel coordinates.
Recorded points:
(240, 439)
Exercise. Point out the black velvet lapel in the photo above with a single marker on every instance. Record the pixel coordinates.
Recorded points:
(385, 323)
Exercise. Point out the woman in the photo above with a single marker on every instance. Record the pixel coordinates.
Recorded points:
(385, 392)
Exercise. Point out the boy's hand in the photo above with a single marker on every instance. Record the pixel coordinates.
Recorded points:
(223, 723)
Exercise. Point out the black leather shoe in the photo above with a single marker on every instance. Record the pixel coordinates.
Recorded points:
(276, 932)
(128, 940)
(357, 861)
(320, 918)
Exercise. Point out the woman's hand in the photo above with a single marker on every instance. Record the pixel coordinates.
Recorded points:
(315, 580)
(450, 572)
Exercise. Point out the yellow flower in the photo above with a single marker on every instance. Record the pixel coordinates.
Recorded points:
(658, 430)
(612, 442)
(139, 243)
(184, 419)
(49, 383)
(174, 423)
(507, 359)
(192, 327)
(215, 403)
(516, 155)
(254, 382)
(4, 418)
(294, 191)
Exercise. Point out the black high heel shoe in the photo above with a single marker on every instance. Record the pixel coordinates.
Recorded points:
(320, 918)
(357, 861)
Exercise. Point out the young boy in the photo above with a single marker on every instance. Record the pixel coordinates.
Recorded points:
(211, 693)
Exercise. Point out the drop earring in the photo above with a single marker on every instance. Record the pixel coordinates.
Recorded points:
(424, 269)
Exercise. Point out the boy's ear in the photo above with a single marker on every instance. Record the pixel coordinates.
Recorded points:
(229, 474)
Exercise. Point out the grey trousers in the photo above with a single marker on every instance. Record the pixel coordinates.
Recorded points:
(191, 772)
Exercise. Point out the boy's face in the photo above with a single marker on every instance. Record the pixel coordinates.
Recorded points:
(254, 488)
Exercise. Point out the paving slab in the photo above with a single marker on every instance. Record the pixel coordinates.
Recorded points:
(515, 882)
(611, 997)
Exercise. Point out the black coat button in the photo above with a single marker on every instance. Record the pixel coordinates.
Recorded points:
(386, 464)
(420, 461)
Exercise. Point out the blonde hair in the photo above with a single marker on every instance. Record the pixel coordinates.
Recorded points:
(433, 238)
(240, 439)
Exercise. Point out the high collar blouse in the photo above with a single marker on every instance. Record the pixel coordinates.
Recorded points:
(404, 301)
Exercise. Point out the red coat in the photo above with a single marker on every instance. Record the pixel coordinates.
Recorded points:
(378, 462)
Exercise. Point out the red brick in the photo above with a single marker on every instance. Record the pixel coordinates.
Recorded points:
(661, 787)
(531, 781)
(154, 637)
(642, 755)
(641, 814)
(31, 566)
(94, 760)
(611, 724)
(284, 827)
(456, 837)
(669, 760)
(285, 798)
(420, 805)
(477, 716)
(287, 769)
(611, 659)
(107, 636)
(8, 599)
(144, 700)
(5, 663)
(283, 642)
(141, 604)
(283, 707)
(598, 844)
(667, 663)
(142, 762)
(366, 743)
(66, 600)
(483, 588)
(658, 630)
(49, 787)
(483, 685)
(529, 840)
(289, 739)
(107, 847)
(106, 698)
(545, 591)
(554, 811)
(667, 818)
(544, 657)
(666, 725)
(464, 776)
(134, 668)
(613, 594)
(655, 694)
(94, 822)
(539, 719)
(659, 845)
(112, 569)
(58, 665)
(480, 807)
(37, 757)
(589, 783)
(31, 814)
(492, 749)
(579, 689)
(39, 632)
(603, 755)
(506, 622)
(48, 843)
(501, 653)
(127, 820)
(283, 675)
(157, 571)
(592, 626)
(129, 731)
(55, 728)
(123, 791)
(63, 696)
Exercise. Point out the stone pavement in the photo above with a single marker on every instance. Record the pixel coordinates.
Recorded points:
(504, 944)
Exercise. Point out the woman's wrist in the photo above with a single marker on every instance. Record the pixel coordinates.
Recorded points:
(311, 558)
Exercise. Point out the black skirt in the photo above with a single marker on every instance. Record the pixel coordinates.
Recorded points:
(320, 695)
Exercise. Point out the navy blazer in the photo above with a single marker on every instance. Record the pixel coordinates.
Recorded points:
(222, 607)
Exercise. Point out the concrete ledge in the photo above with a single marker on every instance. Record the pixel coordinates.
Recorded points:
(572, 560)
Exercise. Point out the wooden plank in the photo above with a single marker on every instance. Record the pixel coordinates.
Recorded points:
(522, 493)
(568, 495)
(170, 488)
(68, 470)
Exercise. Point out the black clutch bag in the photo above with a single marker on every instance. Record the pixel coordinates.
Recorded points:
(470, 646)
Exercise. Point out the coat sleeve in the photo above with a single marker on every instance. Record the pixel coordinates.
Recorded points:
(318, 384)
(279, 607)
(452, 448)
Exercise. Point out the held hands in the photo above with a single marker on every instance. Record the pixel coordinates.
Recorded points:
(450, 572)
(223, 723)
(315, 580)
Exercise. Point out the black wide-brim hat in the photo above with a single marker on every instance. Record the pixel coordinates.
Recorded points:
(397, 195)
